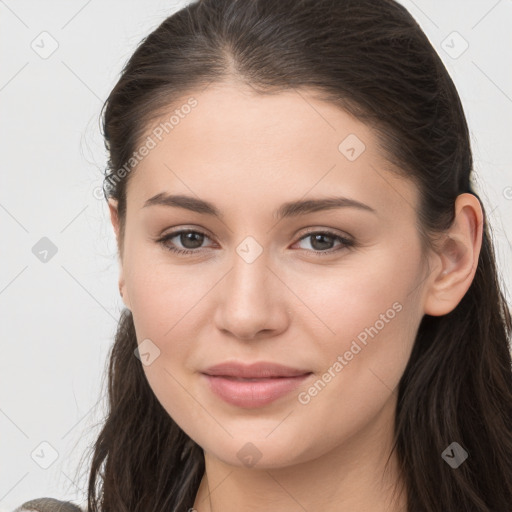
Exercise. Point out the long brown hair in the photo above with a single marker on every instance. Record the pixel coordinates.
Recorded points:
(372, 59)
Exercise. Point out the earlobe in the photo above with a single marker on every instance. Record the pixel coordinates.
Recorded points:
(122, 291)
(458, 256)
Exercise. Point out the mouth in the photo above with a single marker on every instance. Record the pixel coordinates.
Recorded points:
(256, 379)
(250, 393)
(259, 370)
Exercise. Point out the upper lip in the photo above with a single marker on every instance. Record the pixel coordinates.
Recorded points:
(254, 370)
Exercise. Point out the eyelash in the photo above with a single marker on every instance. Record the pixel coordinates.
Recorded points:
(347, 243)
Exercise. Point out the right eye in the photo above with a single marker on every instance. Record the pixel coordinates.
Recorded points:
(185, 236)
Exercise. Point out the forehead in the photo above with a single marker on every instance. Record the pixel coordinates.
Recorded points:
(266, 148)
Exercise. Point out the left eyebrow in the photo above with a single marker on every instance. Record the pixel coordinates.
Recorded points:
(286, 210)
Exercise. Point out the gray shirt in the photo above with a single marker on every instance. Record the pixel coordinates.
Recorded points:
(48, 505)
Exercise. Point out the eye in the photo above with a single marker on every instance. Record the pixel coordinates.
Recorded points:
(192, 241)
(322, 241)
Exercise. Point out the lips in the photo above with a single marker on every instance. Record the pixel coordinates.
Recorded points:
(254, 385)
(261, 370)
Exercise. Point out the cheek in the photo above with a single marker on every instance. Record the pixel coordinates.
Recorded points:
(368, 314)
(164, 296)
(166, 300)
(363, 364)
(365, 290)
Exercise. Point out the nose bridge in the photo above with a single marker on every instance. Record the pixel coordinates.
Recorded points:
(249, 278)
(251, 296)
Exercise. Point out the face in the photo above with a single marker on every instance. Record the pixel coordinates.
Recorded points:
(335, 293)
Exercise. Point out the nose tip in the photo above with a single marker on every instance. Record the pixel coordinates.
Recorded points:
(252, 301)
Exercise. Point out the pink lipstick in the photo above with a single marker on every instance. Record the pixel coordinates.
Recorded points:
(254, 385)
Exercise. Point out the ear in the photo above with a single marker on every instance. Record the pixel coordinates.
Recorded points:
(114, 218)
(456, 259)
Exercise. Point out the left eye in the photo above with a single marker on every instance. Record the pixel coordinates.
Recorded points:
(196, 238)
(318, 241)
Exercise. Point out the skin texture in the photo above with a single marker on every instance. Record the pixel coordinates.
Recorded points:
(292, 305)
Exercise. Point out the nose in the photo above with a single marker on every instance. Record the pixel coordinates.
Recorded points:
(252, 300)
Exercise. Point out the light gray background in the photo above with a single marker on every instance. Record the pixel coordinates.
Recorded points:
(58, 318)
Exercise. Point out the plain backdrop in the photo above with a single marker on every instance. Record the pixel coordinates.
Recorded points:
(59, 308)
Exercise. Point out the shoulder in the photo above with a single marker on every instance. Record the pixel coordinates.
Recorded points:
(48, 505)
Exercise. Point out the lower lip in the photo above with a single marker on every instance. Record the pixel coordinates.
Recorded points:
(252, 394)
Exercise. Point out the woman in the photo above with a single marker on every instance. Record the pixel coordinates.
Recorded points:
(314, 319)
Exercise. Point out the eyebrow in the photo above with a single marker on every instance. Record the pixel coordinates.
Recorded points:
(289, 209)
